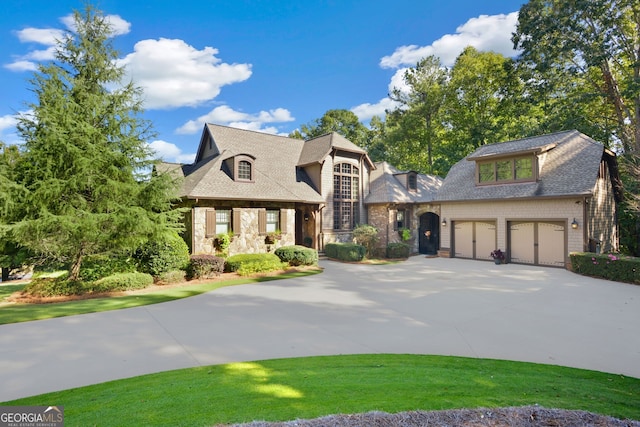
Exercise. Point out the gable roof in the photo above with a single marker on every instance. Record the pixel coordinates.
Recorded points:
(315, 150)
(276, 177)
(569, 167)
(386, 186)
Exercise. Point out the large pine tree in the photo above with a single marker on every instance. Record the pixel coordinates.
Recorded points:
(84, 169)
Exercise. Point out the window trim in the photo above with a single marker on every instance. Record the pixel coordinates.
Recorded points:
(236, 168)
(512, 161)
(346, 173)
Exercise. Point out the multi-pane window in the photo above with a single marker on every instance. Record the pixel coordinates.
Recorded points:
(223, 221)
(401, 219)
(346, 190)
(244, 170)
(273, 221)
(506, 170)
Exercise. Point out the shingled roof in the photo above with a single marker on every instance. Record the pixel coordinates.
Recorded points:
(387, 188)
(315, 150)
(276, 177)
(568, 167)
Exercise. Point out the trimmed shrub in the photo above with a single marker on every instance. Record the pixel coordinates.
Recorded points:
(170, 277)
(607, 266)
(205, 266)
(398, 250)
(122, 282)
(169, 252)
(53, 287)
(95, 267)
(297, 255)
(345, 251)
(245, 264)
(331, 250)
(367, 236)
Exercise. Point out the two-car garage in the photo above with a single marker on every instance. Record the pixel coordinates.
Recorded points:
(535, 242)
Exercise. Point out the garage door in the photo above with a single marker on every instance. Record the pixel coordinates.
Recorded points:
(537, 242)
(474, 239)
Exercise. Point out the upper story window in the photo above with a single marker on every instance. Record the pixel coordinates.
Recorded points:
(244, 170)
(243, 166)
(519, 169)
(346, 191)
(412, 181)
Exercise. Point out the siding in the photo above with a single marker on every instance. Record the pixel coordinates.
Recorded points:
(503, 211)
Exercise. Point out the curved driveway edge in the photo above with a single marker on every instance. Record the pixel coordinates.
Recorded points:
(422, 306)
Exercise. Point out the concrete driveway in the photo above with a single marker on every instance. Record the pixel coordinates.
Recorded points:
(423, 306)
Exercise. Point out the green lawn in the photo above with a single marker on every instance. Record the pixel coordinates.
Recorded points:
(26, 312)
(286, 389)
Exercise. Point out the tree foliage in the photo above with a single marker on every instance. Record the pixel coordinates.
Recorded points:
(83, 174)
(343, 122)
(594, 45)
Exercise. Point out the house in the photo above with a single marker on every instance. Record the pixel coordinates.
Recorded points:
(255, 185)
(400, 200)
(536, 198)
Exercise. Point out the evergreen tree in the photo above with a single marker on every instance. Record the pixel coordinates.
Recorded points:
(84, 172)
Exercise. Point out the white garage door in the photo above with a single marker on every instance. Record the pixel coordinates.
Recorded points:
(463, 239)
(551, 246)
(537, 242)
(474, 239)
(522, 245)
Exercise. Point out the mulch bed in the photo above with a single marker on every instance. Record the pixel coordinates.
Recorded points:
(527, 416)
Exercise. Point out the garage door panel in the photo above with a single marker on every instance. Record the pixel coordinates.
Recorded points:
(522, 240)
(463, 239)
(485, 239)
(551, 244)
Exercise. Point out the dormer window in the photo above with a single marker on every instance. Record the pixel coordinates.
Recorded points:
(244, 170)
(412, 181)
(243, 166)
(505, 170)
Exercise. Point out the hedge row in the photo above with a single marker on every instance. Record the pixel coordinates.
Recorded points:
(345, 251)
(245, 264)
(607, 266)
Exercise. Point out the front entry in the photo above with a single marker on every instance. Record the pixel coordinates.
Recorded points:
(429, 234)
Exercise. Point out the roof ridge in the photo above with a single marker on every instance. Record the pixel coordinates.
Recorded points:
(252, 131)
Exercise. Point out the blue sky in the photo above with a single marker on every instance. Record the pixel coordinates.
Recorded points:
(255, 64)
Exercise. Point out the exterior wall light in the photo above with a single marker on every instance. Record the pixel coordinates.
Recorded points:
(444, 222)
(306, 216)
(574, 224)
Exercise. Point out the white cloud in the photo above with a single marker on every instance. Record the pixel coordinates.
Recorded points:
(21, 65)
(50, 37)
(8, 121)
(230, 117)
(485, 33)
(118, 25)
(45, 36)
(170, 152)
(175, 74)
(366, 111)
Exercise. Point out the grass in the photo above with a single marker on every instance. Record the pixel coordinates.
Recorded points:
(286, 389)
(27, 312)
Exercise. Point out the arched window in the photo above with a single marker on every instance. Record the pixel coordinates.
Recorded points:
(243, 165)
(346, 190)
(244, 170)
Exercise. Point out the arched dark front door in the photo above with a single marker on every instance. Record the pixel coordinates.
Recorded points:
(429, 233)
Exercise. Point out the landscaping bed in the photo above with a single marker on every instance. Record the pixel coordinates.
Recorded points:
(527, 416)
